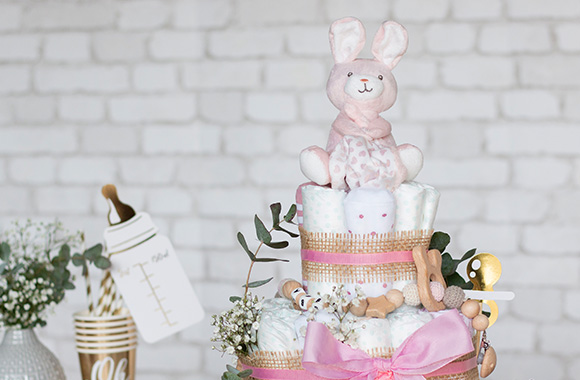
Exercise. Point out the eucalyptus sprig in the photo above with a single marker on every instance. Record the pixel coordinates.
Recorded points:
(94, 256)
(440, 241)
(236, 329)
(264, 235)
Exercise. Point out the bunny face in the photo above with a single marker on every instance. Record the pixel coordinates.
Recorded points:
(364, 87)
(367, 83)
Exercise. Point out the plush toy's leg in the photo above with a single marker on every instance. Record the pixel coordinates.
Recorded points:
(314, 165)
(412, 158)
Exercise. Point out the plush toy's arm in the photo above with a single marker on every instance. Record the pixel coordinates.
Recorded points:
(314, 165)
(412, 159)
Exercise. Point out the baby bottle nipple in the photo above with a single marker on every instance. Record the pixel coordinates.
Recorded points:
(124, 211)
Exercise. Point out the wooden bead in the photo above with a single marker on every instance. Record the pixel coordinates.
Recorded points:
(489, 362)
(470, 308)
(480, 322)
(289, 287)
(361, 309)
(396, 296)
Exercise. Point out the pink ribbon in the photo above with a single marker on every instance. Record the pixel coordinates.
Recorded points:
(357, 258)
(427, 350)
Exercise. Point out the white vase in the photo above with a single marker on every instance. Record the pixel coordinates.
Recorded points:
(24, 357)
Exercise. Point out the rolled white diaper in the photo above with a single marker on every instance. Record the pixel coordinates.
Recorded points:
(405, 322)
(370, 211)
(410, 199)
(276, 332)
(430, 206)
(416, 206)
(323, 209)
(373, 333)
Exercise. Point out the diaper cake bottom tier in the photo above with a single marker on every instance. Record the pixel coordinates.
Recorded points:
(408, 344)
(358, 314)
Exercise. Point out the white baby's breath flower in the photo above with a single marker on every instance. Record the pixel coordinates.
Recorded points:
(237, 328)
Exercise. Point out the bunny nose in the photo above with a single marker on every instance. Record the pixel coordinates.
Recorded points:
(364, 80)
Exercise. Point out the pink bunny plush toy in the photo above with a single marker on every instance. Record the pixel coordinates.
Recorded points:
(361, 152)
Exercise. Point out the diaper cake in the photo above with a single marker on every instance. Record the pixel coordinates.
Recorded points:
(375, 300)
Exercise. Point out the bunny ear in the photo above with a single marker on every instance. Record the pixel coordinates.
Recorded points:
(347, 38)
(390, 43)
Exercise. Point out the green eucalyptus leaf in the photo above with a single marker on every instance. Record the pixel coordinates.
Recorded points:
(245, 373)
(64, 253)
(69, 285)
(78, 260)
(242, 241)
(269, 260)
(235, 298)
(291, 234)
(276, 209)
(439, 241)
(447, 264)
(102, 262)
(2, 267)
(468, 285)
(4, 251)
(93, 253)
(56, 261)
(456, 279)
(468, 255)
(230, 376)
(232, 369)
(257, 284)
(261, 232)
(277, 244)
(290, 214)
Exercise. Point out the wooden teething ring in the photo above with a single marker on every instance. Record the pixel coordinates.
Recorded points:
(428, 265)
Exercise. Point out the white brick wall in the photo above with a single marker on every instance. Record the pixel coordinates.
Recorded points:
(197, 110)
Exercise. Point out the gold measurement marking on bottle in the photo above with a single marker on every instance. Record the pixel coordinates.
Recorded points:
(154, 294)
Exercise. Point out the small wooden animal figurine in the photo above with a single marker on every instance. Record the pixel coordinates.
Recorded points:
(428, 265)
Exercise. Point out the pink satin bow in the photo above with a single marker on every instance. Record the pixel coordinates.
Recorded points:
(428, 349)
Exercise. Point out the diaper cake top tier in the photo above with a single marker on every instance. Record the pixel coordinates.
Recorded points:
(373, 302)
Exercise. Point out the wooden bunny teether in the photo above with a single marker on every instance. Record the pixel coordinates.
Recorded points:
(428, 265)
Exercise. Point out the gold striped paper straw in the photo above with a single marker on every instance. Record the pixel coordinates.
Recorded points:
(105, 292)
